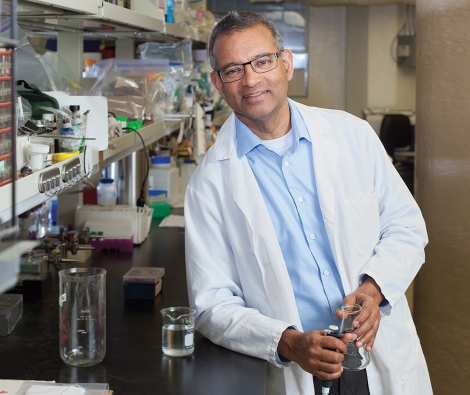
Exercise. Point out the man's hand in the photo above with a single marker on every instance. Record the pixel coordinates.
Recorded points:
(369, 296)
(315, 353)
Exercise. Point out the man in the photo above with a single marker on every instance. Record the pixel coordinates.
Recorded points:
(294, 212)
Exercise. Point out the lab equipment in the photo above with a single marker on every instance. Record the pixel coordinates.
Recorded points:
(82, 312)
(187, 170)
(143, 283)
(37, 154)
(106, 192)
(355, 358)
(333, 330)
(164, 178)
(11, 310)
(178, 331)
(141, 218)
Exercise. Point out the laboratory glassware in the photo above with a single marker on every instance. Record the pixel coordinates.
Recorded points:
(354, 358)
(82, 309)
(178, 331)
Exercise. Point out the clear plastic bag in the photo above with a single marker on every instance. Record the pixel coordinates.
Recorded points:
(177, 53)
(48, 72)
(134, 88)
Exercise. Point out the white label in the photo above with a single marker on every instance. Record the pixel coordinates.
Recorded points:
(189, 340)
(62, 299)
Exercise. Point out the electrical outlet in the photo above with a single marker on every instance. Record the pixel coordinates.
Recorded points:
(49, 180)
(404, 51)
(71, 170)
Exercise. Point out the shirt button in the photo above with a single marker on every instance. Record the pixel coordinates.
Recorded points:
(300, 199)
(312, 237)
(326, 272)
(286, 163)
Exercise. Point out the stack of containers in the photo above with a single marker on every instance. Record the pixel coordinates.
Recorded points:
(5, 117)
(164, 185)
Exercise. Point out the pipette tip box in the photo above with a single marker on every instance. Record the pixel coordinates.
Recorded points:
(143, 283)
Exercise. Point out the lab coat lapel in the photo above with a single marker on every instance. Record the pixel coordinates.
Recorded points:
(325, 164)
(245, 191)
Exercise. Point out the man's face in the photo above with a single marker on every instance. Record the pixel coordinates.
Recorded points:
(256, 96)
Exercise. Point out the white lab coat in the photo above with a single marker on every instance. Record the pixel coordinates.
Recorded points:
(237, 278)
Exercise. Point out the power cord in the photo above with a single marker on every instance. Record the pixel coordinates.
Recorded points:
(141, 199)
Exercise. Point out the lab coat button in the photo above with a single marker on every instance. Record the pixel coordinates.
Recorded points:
(326, 272)
(312, 236)
(286, 163)
(300, 199)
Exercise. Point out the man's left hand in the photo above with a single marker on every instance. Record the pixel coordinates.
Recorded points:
(369, 296)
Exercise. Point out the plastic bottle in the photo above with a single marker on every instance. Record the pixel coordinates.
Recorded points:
(164, 178)
(169, 11)
(187, 170)
(106, 192)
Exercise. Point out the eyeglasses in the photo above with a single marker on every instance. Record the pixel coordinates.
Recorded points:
(260, 65)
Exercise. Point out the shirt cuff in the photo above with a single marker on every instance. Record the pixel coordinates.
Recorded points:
(384, 302)
(280, 359)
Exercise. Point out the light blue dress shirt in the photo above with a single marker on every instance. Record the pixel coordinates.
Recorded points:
(288, 186)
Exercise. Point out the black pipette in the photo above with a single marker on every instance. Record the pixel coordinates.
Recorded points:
(333, 330)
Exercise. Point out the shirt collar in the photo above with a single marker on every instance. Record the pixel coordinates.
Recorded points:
(247, 140)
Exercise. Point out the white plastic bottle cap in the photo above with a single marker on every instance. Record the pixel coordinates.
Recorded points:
(38, 148)
(49, 117)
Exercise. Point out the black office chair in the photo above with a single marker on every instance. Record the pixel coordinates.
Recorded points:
(396, 131)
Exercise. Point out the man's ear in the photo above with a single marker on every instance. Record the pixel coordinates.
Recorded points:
(217, 83)
(288, 60)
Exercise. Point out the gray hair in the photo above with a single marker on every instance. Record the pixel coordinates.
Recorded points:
(237, 21)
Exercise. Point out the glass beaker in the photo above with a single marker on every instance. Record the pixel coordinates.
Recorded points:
(355, 358)
(82, 309)
(178, 331)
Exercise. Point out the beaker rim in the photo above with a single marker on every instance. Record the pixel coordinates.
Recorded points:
(357, 308)
(189, 310)
(91, 271)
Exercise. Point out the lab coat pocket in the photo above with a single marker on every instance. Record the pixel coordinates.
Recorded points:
(401, 339)
(363, 217)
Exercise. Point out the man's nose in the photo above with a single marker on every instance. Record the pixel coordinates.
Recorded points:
(251, 77)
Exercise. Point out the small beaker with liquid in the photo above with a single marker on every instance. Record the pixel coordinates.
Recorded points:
(354, 358)
(82, 310)
(178, 331)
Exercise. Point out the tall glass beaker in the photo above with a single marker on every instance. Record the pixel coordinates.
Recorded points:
(82, 309)
(355, 358)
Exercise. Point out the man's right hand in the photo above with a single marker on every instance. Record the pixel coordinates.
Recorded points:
(314, 352)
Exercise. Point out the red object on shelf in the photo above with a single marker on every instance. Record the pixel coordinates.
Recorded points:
(90, 197)
(5, 182)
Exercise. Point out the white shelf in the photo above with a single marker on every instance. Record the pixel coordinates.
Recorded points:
(27, 191)
(177, 30)
(52, 16)
(125, 17)
(59, 6)
(129, 143)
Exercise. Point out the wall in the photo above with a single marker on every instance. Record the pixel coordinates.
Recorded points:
(327, 57)
(442, 314)
(350, 66)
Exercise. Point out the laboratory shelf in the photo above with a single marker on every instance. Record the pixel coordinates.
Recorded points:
(54, 7)
(123, 16)
(27, 189)
(128, 143)
(177, 30)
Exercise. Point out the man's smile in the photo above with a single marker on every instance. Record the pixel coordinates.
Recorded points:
(256, 94)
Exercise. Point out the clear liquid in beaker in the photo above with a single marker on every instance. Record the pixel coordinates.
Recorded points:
(178, 340)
